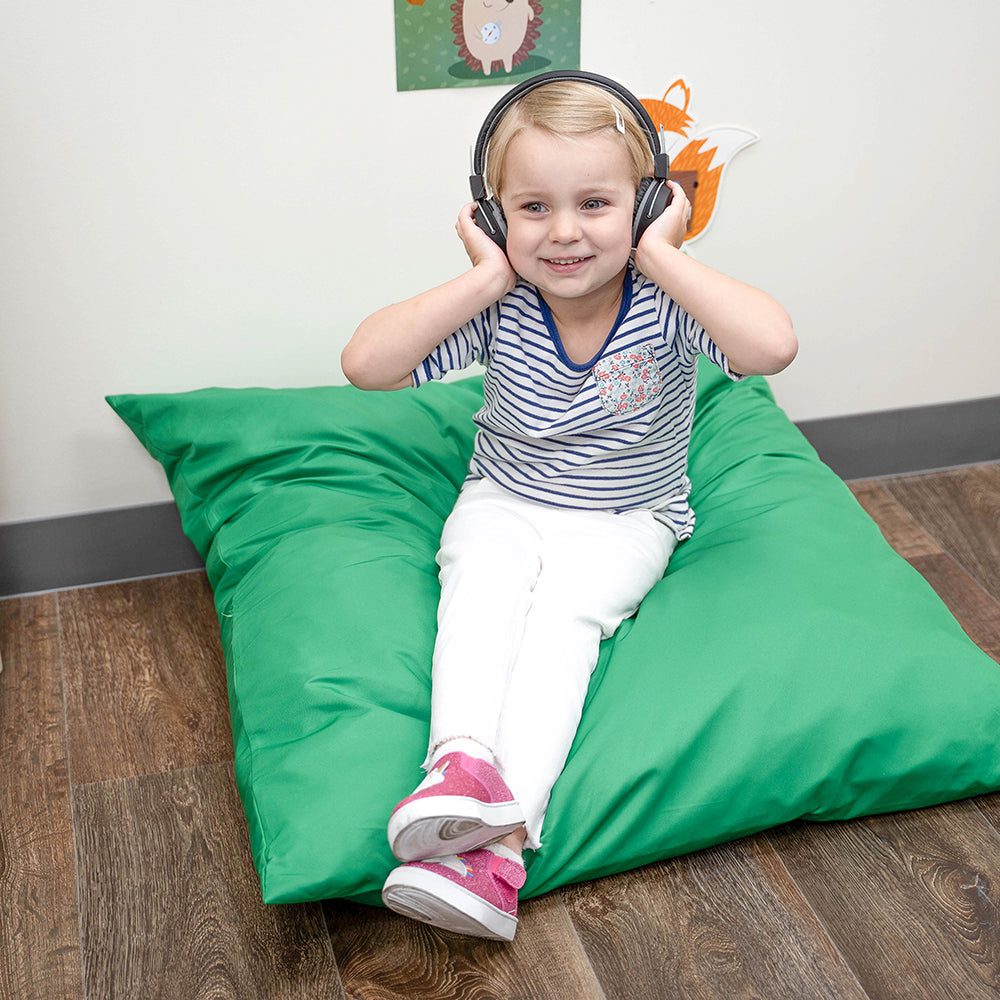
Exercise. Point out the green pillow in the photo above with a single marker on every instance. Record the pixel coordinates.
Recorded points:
(789, 664)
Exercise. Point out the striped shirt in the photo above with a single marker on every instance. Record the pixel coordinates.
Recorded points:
(609, 434)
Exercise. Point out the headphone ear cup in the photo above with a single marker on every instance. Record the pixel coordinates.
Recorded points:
(491, 220)
(651, 199)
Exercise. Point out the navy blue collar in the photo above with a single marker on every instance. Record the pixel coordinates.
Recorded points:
(550, 325)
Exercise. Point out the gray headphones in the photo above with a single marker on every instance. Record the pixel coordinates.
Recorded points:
(651, 199)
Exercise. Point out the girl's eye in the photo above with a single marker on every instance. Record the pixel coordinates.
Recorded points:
(534, 206)
(592, 204)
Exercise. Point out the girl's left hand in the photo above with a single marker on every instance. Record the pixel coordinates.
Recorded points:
(671, 226)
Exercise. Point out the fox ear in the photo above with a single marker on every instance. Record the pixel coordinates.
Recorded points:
(672, 111)
(683, 90)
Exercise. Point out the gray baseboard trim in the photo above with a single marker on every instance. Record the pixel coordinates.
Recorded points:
(918, 439)
(87, 549)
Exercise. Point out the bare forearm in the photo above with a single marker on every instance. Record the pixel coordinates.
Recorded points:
(748, 325)
(390, 343)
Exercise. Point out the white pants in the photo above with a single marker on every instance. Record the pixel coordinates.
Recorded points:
(527, 593)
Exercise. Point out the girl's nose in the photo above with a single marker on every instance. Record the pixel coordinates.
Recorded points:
(565, 227)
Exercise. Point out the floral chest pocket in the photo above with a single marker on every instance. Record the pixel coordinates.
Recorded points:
(627, 380)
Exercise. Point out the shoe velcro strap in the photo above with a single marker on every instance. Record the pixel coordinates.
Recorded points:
(511, 872)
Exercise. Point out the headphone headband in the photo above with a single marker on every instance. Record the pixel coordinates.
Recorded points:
(661, 165)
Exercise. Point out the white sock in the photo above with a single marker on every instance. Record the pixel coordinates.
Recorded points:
(470, 747)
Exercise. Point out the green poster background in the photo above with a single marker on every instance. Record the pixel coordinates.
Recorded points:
(428, 58)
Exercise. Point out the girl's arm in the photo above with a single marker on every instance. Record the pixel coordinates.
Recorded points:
(749, 327)
(389, 344)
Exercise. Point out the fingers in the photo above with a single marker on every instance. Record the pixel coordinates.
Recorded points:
(677, 215)
(465, 218)
(469, 232)
(479, 247)
(679, 199)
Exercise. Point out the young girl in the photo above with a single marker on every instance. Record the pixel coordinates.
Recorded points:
(577, 488)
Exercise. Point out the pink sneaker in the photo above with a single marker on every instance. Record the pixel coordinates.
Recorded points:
(473, 893)
(462, 804)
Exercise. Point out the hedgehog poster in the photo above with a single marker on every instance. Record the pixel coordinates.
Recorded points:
(468, 43)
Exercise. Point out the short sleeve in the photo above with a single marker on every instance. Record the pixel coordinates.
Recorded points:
(469, 343)
(704, 344)
(689, 337)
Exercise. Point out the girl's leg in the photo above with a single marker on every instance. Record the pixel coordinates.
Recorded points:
(489, 566)
(489, 560)
(596, 569)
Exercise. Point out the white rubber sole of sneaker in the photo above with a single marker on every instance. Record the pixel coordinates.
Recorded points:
(449, 824)
(435, 900)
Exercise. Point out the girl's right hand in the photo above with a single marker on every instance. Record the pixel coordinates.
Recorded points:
(482, 251)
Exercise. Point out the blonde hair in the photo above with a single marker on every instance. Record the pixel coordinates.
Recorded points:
(569, 109)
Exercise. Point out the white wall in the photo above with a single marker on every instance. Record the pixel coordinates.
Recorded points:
(215, 193)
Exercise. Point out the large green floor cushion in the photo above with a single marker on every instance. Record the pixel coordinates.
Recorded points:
(789, 664)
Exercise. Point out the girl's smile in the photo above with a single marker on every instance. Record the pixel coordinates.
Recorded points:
(566, 266)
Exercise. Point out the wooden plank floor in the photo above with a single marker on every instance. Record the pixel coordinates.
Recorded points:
(125, 869)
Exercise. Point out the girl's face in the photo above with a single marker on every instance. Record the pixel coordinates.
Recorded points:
(569, 206)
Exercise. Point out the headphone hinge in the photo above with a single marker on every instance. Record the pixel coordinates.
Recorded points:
(478, 186)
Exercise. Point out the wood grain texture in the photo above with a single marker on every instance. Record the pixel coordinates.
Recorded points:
(383, 956)
(976, 611)
(989, 806)
(961, 510)
(40, 951)
(910, 899)
(976, 608)
(900, 530)
(170, 903)
(145, 678)
(723, 923)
